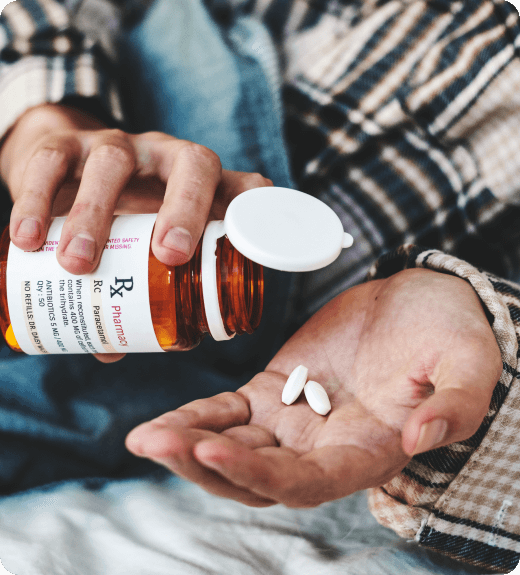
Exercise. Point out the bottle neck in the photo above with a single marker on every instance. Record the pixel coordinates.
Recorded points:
(240, 287)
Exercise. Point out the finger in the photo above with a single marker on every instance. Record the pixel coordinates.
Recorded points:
(216, 413)
(172, 447)
(450, 415)
(276, 473)
(462, 396)
(196, 188)
(109, 357)
(109, 166)
(44, 175)
(191, 186)
(251, 435)
(280, 474)
(232, 184)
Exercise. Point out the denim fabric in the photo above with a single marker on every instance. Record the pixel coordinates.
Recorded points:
(216, 85)
(67, 417)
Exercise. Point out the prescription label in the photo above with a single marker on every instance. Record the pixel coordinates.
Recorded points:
(107, 311)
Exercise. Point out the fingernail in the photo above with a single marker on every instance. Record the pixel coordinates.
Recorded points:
(430, 435)
(29, 228)
(178, 239)
(82, 246)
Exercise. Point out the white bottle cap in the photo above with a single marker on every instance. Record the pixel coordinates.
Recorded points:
(279, 228)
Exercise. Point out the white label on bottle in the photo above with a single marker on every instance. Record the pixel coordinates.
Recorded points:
(106, 311)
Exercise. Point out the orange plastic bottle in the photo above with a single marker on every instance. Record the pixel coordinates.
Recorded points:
(176, 299)
(118, 309)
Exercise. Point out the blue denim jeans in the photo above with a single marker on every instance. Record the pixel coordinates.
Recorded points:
(67, 417)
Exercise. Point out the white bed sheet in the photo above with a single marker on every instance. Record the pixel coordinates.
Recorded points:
(171, 527)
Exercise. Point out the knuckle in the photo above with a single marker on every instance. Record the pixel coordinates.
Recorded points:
(158, 136)
(194, 198)
(85, 212)
(112, 152)
(227, 398)
(201, 154)
(50, 155)
(252, 181)
(229, 401)
(166, 420)
(32, 198)
(255, 180)
(115, 134)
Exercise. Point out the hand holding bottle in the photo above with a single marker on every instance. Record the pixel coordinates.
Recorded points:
(409, 363)
(59, 161)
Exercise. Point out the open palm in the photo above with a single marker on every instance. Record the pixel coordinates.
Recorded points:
(397, 355)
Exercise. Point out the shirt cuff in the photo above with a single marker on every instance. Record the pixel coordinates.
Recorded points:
(35, 80)
(463, 500)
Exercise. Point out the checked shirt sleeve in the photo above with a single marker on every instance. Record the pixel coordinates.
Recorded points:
(463, 500)
(52, 50)
(404, 117)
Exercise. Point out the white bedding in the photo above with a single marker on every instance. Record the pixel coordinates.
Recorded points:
(171, 527)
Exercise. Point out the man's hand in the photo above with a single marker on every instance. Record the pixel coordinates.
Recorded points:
(409, 363)
(58, 161)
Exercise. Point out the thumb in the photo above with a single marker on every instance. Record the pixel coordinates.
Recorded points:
(464, 379)
(450, 415)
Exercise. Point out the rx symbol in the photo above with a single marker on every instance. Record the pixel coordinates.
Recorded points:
(119, 290)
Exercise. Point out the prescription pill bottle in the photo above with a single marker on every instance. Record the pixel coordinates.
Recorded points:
(105, 312)
(133, 303)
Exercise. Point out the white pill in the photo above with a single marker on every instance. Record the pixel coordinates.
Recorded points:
(317, 397)
(294, 386)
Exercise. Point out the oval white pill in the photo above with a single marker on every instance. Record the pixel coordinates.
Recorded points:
(294, 386)
(317, 397)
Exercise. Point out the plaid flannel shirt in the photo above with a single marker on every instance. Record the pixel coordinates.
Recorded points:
(404, 117)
